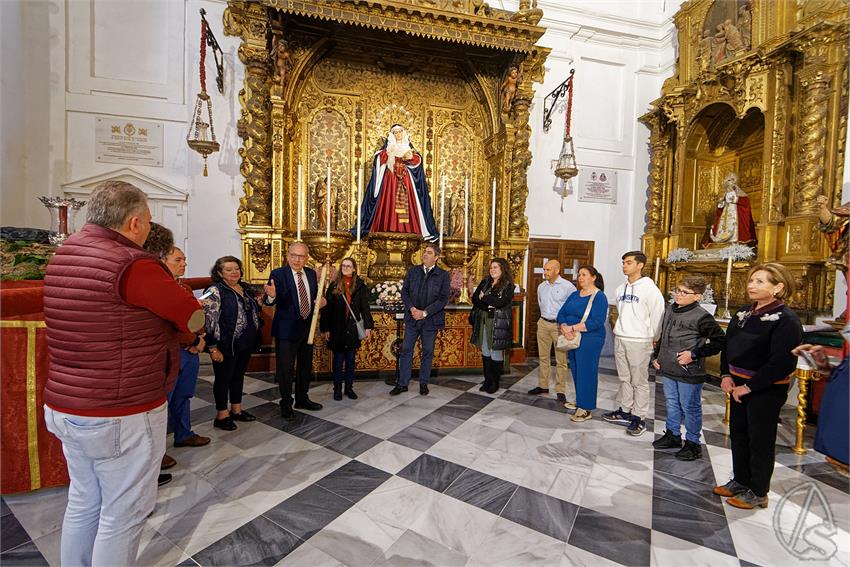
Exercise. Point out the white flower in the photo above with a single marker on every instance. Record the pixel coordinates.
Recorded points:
(743, 315)
(679, 255)
(770, 317)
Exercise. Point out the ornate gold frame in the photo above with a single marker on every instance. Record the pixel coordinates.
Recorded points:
(273, 123)
(795, 75)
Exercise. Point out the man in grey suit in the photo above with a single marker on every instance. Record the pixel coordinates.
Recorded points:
(425, 293)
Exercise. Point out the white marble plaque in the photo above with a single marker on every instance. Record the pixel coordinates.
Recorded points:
(126, 140)
(597, 185)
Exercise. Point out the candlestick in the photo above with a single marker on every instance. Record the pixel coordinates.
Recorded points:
(493, 218)
(657, 267)
(328, 184)
(442, 207)
(726, 313)
(466, 215)
(359, 193)
(729, 271)
(298, 207)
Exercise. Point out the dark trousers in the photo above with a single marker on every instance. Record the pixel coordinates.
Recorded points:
(344, 366)
(752, 426)
(229, 377)
(412, 332)
(294, 359)
(179, 398)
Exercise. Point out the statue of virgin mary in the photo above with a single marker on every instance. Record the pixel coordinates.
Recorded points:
(396, 198)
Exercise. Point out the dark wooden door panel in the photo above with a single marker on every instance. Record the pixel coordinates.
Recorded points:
(571, 254)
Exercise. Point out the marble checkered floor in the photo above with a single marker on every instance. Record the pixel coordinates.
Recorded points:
(461, 478)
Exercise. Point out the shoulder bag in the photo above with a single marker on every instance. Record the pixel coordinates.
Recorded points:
(361, 328)
(565, 344)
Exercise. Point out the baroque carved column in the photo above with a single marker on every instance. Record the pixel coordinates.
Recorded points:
(815, 82)
(249, 20)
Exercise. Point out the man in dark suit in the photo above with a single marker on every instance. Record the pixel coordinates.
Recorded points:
(425, 294)
(292, 289)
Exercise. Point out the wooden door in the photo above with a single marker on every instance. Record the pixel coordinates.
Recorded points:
(571, 254)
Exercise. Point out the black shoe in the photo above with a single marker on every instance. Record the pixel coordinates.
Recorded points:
(389, 380)
(423, 389)
(690, 452)
(287, 413)
(618, 416)
(562, 398)
(349, 391)
(226, 423)
(308, 405)
(668, 441)
(494, 370)
(338, 392)
(636, 427)
(242, 416)
(538, 390)
(163, 479)
(398, 390)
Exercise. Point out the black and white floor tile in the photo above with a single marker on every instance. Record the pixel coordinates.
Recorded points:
(462, 478)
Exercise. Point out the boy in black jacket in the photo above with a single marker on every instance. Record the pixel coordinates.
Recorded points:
(688, 335)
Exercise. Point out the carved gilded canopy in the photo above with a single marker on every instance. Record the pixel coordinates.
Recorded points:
(760, 90)
(324, 82)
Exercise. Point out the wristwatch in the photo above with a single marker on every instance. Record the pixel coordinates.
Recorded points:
(424, 313)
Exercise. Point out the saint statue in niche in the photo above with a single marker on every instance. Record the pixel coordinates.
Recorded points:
(457, 215)
(509, 86)
(834, 224)
(396, 198)
(320, 196)
(733, 218)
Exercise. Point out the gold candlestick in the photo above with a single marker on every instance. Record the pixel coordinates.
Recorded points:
(804, 375)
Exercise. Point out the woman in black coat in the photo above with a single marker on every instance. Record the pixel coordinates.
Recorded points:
(347, 295)
(491, 321)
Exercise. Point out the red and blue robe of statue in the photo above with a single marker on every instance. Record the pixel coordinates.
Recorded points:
(396, 198)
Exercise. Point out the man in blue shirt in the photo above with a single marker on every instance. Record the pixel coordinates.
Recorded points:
(551, 295)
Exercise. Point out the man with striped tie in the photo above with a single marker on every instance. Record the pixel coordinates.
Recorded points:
(292, 289)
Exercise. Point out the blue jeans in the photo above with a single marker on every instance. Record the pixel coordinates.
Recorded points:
(684, 401)
(178, 398)
(113, 463)
(344, 358)
(497, 355)
(412, 332)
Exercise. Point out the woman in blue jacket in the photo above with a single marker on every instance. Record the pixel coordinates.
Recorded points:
(584, 361)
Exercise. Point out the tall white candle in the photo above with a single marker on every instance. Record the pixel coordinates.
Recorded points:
(298, 207)
(328, 236)
(357, 205)
(466, 214)
(493, 217)
(729, 272)
(442, 207)
(657, 268)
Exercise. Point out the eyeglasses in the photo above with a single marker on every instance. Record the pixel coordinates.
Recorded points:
(680, 291)
(298, 256)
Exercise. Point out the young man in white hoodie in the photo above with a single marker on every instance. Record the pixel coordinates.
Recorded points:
(640, 307)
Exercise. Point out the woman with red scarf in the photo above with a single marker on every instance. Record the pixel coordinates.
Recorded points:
(347, 305)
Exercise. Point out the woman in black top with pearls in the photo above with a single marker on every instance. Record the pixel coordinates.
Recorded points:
(756, 368)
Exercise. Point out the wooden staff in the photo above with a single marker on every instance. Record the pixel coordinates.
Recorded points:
(319, 295)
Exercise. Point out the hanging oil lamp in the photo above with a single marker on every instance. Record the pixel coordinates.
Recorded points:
(201, 135)
(567, 167)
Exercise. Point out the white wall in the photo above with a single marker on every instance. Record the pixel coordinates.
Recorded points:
(621, 60)
(66, 63)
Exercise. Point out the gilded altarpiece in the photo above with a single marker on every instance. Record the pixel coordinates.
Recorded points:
(325, 81)
(760, 90)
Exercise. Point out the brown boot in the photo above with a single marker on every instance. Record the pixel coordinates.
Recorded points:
(167, 462)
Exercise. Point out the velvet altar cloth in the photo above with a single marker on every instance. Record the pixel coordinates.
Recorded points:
(31, 456)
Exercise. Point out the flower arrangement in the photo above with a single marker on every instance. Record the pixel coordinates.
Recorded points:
(737, 252)
(679, 255)
(388, 294)
(708, 295)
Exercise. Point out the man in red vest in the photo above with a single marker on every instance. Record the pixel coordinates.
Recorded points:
(112, 311)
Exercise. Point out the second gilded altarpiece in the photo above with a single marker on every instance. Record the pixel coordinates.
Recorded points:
(760, 91)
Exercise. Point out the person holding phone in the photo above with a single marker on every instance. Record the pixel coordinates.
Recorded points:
(233, 328)
(347, 307)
